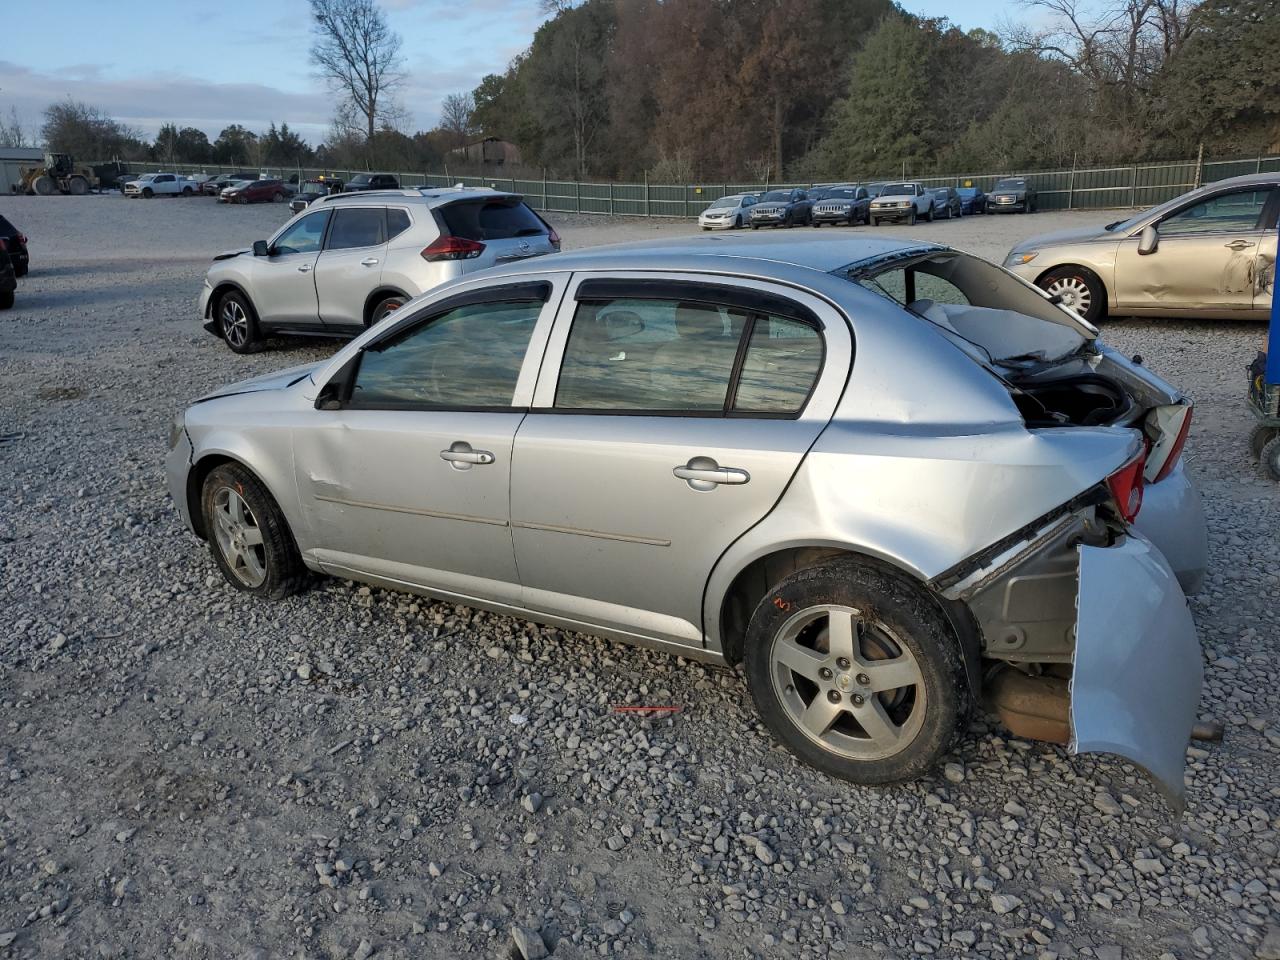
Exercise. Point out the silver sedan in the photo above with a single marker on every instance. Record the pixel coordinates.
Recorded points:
(890, 480)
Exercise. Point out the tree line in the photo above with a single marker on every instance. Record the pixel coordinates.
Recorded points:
(687, 90)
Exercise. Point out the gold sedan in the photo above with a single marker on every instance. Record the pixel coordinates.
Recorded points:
(1209, 253)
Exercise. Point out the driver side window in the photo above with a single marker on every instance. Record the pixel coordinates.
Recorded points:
(468, 357)
(303, 237)
(1227, 213)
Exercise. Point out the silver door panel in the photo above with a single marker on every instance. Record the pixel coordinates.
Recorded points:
(344, 280)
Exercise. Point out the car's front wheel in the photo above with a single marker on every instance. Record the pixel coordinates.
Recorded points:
(911, 217)
(248, 534)
(237, 323)
(856, 672)
(1077, 289)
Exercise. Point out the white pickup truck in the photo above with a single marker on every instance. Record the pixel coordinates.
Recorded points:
(905, 202)
(156, 184)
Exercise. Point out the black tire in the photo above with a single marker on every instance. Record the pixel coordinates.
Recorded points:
(737, 222)
(277, 198)
(1259, 437)
(891, 612)
(6, 300)
(148, 192)
(755, 226)
(1078, 277)
(187, 191)
(929, 217)
(911, 217)
(1270, 459)
(706, 228)
(385, 306)
(238, 323)
(873, 222)
(281, 566)
(77, 186)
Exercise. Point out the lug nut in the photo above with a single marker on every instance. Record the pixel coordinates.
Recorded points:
(843, 663)
(864, 679)
(858, 700)
(833, 696)
(825, 673)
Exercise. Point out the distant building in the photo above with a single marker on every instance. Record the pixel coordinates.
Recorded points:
(489, 152)
(11, 158)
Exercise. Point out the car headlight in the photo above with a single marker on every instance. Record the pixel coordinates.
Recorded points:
(176, 428)
(1018, 259)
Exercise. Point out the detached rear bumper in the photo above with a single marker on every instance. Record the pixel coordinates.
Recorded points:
(1136, 672)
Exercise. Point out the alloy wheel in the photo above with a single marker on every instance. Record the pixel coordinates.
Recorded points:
(239, 537)
(1073, 292)
(235, 323)
(847, 682)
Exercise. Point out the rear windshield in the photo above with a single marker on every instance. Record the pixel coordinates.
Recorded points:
(499, 219)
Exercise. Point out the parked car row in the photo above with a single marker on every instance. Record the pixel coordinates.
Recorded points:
(870, 203)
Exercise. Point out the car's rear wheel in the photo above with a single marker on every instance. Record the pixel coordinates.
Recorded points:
(855, 671)
(237, 323)
(385, 306)
(1270, 458)
(187, 191)
(277, 198)
(1078, 289)
(248, 534)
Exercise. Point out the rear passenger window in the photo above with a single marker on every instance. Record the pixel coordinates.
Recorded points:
(780, 367)
(397, 222)
(359, 227)
(672, 357)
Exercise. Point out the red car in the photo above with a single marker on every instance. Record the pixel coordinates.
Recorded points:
(256, 191)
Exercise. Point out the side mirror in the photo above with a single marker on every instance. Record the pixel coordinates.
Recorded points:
(260, 249)
(337, 391)
(1149, 241)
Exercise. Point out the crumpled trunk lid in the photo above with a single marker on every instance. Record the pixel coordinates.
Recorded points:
(1136, 671)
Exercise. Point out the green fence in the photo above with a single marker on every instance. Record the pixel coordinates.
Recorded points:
(1132, 185)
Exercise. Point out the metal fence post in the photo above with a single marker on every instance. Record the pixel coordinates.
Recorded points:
(577, 196)
(646, 193)
(1071, 184)
(1199, 165)
(1133, 187)
(611, 198)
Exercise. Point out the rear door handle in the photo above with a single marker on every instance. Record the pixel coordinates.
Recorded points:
(305, 268)
(368, 261)
(460, 456)
(1238, 245)
(703, 473)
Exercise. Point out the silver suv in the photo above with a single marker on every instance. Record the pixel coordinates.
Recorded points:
(347, 261)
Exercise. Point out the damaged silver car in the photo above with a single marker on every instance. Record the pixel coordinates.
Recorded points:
(891, 481)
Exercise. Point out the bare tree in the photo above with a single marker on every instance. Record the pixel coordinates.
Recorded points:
(456, 112)
(358, 54)
(12, 133)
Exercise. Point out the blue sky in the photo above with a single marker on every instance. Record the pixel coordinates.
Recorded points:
(209, 64)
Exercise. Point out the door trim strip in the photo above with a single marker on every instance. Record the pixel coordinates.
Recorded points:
(415, 511)
(598, 534)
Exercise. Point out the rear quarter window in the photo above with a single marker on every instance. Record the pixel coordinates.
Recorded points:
(490, 220)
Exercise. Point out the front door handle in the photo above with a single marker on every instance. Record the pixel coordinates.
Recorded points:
(368, 261)
(1238, 245)
(460, 456)
(305, 268)
(703, 473)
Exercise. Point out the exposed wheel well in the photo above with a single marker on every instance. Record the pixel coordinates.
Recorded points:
(760, 576)
(196, 476)
(221, 290)
(377, 297)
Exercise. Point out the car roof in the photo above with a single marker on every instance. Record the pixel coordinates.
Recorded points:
(818, 252)
(431, 196)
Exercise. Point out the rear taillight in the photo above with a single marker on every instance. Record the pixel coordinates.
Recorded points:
(553, 237)
(1171, 425)
(452, 248)
(1126, 488)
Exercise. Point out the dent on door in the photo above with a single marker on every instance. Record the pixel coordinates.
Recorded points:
(1136, 675)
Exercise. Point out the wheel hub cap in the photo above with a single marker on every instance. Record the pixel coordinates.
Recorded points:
(239, 537)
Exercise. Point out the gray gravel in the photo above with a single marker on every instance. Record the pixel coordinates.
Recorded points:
(361, 773)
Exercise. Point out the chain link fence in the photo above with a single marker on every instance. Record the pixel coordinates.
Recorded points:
(1082, 188)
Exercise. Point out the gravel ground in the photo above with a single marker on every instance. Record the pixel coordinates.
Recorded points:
(355, 773)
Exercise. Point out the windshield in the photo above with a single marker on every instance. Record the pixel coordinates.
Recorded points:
(988, 312)
(777, 196)
(1014, 183)
(725, 203)
(897, 189)
(362, 178)
(821, 193)
(841, 193)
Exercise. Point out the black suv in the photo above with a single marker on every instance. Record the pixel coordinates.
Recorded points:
(16, 242)
(371, 181)
(8, 282)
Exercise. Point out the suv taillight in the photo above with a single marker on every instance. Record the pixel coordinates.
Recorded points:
(452, 248)
(1126, 487)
